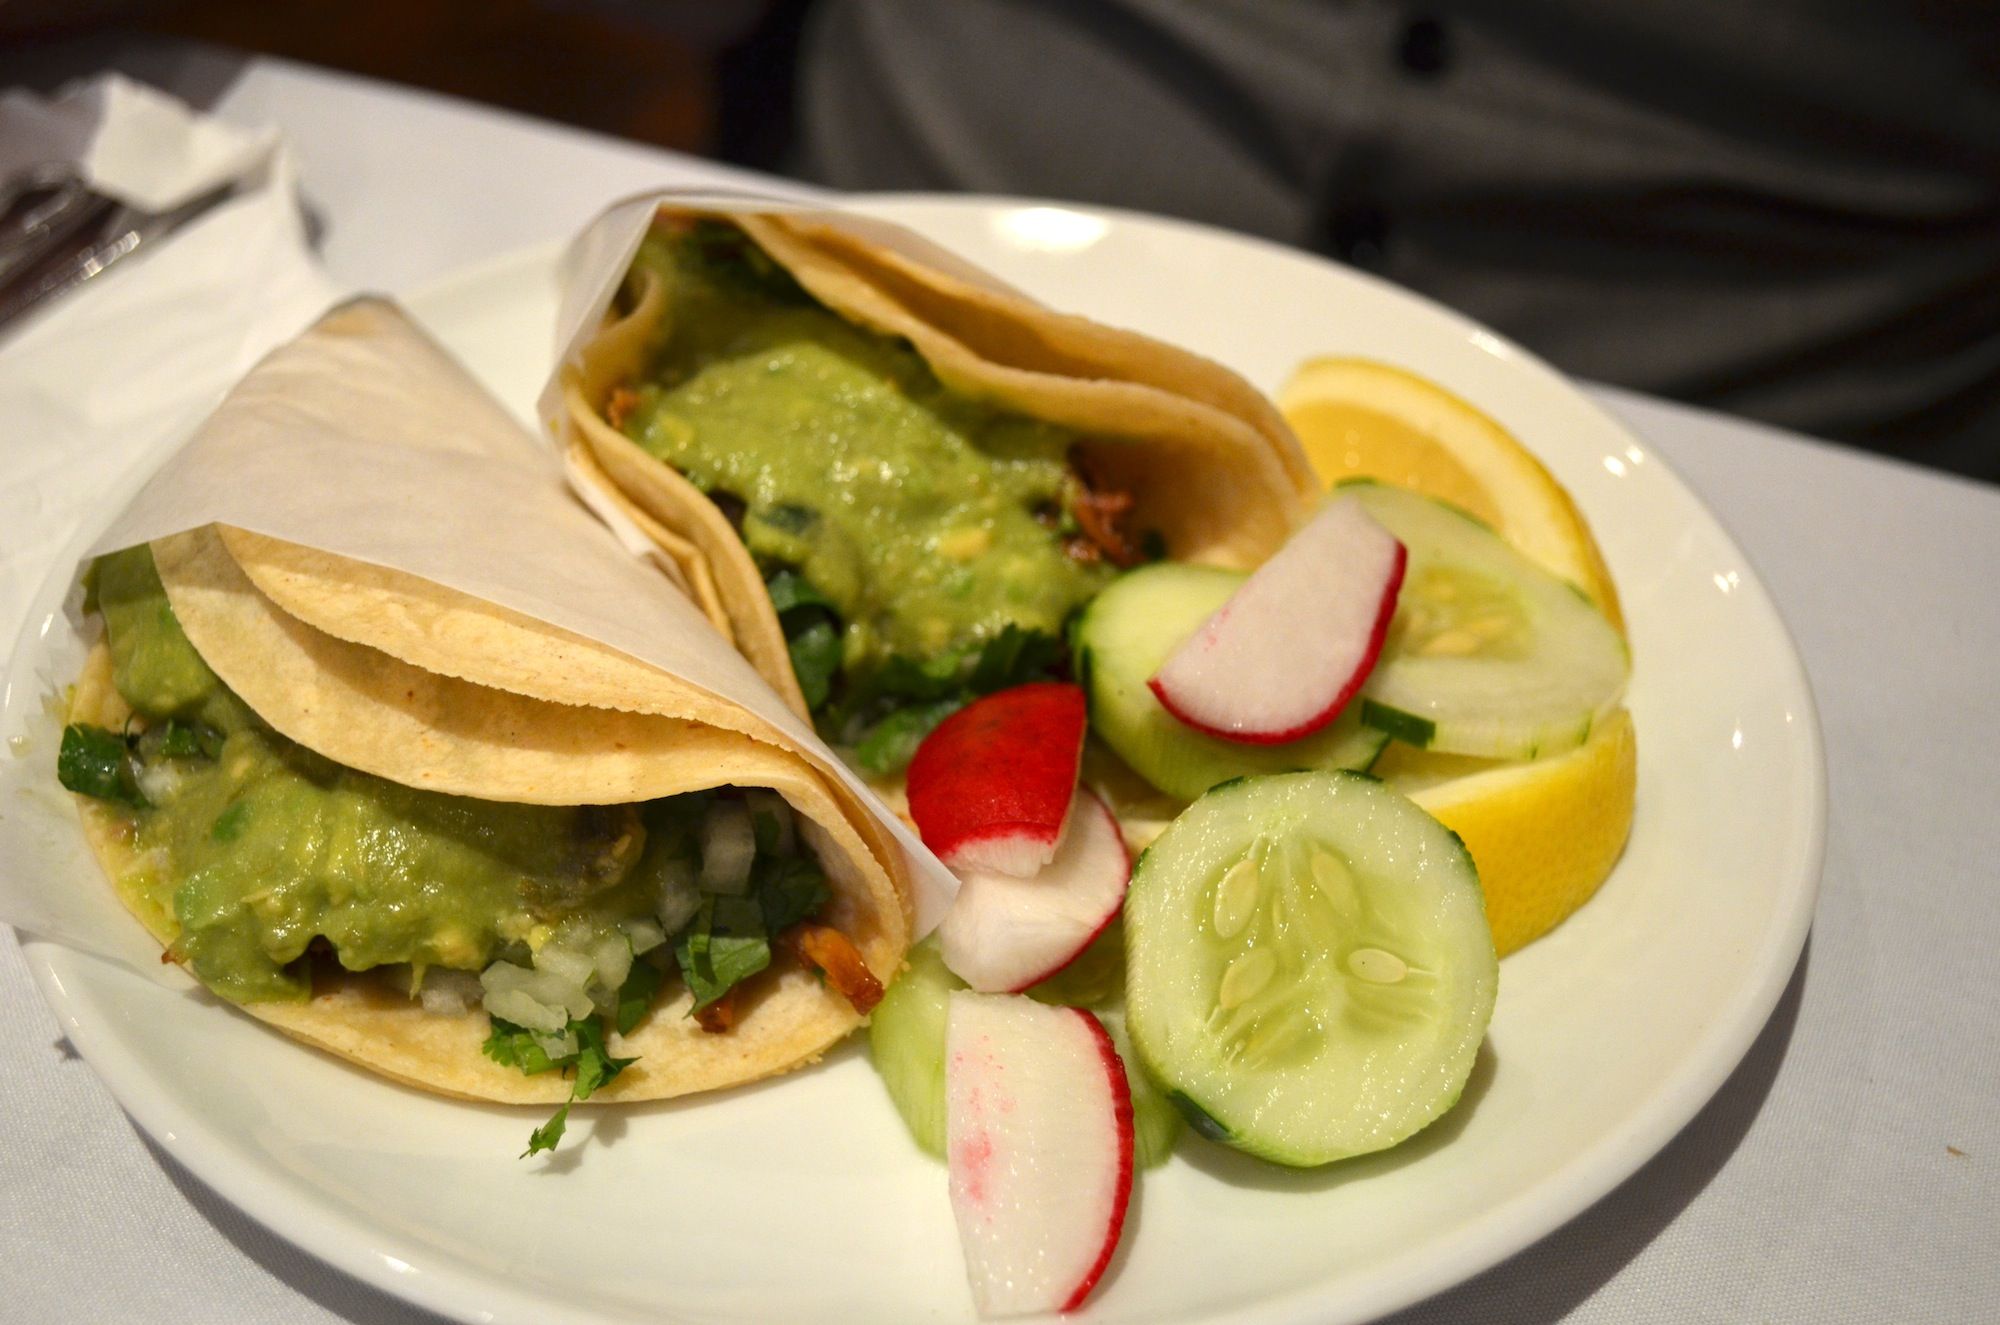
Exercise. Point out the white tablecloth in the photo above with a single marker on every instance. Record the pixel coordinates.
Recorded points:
(1848, 1171)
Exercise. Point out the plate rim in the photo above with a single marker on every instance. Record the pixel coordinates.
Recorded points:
(445, 1285)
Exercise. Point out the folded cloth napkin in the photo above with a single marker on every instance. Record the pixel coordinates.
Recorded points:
(97, 386)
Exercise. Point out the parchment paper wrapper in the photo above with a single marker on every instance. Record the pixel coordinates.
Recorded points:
(356, 447)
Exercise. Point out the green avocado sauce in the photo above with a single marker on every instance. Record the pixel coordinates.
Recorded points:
(266, 846)
(928, 520)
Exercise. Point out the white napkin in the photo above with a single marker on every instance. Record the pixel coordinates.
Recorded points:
(98, 386)
(131, 143)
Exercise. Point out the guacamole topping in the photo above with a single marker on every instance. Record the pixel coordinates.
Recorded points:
(261, 849)
(930, 523)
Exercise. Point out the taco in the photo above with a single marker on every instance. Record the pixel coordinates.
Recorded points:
(895, 481)
(453, 871)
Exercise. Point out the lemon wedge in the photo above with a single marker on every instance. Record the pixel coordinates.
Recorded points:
(1544, 834)
(1359, 418)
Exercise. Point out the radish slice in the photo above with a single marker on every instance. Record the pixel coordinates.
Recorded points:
(1004, 933)
(990, 789)
(1285, 654)
(1038, 1147)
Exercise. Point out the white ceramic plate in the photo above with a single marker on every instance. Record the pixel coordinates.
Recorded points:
(803, 1199)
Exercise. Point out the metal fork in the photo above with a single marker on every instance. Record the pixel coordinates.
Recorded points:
(56, 233)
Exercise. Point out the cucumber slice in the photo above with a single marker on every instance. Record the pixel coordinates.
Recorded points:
(1488, 653)
(1308, 967)
(1122, 639)
(906, 1043)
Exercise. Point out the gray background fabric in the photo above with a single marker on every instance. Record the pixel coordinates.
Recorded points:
(1788, 209)
(1816, 1187)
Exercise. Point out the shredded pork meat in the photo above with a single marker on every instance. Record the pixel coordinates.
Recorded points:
(828, 949)
(1100, 514)
(719, 1016)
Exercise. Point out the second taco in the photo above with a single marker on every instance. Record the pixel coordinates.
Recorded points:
(892, 482)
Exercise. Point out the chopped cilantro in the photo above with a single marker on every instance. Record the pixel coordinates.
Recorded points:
(549, 1135)
(592, 1064)
(790, 590)
(788, 889)
(516, 1046)
(723, 945)
(905, 678)
(904, 700)
(816, 653)
(1013, 657)
(189, 740)
(636, 995)
(812, 632)
(96, 762)
(891, 743)
(595, 1068)
(886, 713)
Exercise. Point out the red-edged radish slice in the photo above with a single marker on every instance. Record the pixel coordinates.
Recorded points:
(1038, 1147)
(1285, 654)
(1005, 933)
(990, 787)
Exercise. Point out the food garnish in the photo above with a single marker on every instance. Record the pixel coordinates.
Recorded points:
(990, 788)
(1004, 933)
(1038, 1148)
(1281, 658)
(1309, 972)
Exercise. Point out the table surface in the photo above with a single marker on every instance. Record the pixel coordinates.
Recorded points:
(1846, 1171)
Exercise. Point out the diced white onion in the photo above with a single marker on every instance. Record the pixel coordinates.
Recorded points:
(679, 898)
(516, 1006)
(643, 934)
(728, 846)
(160, 781)
(611, 955)
(541, 986)
(677, 907)
(557, 1046)
(572, 966)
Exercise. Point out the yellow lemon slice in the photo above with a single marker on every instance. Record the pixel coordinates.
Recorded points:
(1544, 834)
(1358, 418)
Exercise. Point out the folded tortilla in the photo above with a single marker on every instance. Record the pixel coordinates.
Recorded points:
(399, 676)
(373, 711)
(1209, 462)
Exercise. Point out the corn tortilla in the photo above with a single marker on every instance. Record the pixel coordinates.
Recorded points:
(1208, 460)
(380, 714)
